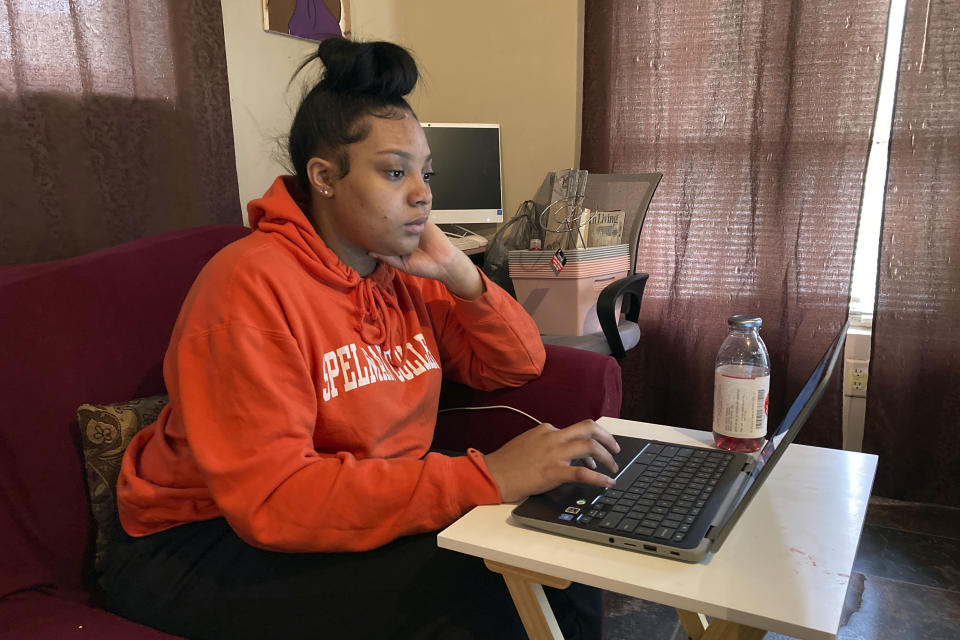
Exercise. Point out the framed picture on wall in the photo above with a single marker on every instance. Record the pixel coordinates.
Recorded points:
(307, 19)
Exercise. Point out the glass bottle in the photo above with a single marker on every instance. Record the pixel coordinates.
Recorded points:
(741, 387)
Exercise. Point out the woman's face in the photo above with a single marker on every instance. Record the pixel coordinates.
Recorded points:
(383, 202)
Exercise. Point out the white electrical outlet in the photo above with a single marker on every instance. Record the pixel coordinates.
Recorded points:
(855, 378)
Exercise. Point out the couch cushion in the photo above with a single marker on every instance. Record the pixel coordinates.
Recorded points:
(105, 432)
(87, 329)
(33, 615)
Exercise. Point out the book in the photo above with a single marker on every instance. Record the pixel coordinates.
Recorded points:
(605, 228)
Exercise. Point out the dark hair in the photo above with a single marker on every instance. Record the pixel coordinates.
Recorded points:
(359, 79)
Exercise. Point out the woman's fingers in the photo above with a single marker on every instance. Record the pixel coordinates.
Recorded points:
(591, 441)
(590, 429)
(540, 459)
(586, 476)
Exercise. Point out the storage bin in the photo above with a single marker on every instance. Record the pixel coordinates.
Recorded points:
(564, 306)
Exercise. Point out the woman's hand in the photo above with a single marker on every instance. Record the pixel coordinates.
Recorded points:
(436, 258)
(539, 459)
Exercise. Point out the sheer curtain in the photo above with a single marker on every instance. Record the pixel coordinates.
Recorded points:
(115, 120)
(913, 395)
(759, 116)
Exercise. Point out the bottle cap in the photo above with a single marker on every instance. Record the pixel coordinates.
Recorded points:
(745, 321)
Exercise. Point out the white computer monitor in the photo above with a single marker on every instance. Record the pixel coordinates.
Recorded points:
(466, 186)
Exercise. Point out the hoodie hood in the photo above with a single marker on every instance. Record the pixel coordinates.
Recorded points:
(281, 211)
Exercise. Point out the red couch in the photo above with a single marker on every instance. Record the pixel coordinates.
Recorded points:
(94, 329)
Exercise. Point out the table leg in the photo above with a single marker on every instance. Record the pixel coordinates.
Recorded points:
(527, 592)
(695, 624)
(526, 589)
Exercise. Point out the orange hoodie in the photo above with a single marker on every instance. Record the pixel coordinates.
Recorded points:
(303, 397)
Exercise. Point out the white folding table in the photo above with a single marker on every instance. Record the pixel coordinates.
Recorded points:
(784, 568)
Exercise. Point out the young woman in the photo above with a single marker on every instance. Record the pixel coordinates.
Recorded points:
(288, 490)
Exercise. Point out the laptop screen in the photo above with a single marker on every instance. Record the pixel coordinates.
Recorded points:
(803, 398)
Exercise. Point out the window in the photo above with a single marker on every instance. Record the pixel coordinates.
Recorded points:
(863, 286)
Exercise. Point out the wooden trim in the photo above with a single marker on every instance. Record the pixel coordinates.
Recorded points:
(542, 578)
(531, 602)
(695, 624)
(697, 628)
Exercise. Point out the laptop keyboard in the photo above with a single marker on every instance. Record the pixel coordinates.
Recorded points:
(661, 494)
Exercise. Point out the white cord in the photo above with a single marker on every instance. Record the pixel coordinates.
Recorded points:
(494, 406)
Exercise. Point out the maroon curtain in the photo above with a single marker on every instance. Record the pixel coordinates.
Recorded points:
(759, 116)
(115, 121)
(913, 394)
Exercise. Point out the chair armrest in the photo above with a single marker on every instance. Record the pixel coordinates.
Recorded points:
(631, 287)
(575, 385)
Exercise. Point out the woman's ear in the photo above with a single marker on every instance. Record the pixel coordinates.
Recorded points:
(320, 173)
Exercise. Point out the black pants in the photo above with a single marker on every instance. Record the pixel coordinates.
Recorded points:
(201, 581)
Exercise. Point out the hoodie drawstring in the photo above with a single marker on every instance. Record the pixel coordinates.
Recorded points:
(383, 313)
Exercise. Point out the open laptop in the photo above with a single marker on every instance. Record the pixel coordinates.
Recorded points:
(673, 500)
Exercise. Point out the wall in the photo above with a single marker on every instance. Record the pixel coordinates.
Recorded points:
(259, 67)
(513, 62)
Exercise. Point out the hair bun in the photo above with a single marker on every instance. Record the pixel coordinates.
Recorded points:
(378, 69)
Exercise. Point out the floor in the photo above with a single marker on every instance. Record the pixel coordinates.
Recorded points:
(905, 582)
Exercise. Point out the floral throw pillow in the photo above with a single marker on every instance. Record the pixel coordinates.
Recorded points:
(105, 432)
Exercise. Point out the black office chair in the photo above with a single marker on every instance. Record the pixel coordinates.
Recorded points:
(607, 192)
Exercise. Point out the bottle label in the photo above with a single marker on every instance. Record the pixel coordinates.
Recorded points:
(740, 402)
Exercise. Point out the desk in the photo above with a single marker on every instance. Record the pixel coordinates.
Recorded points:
(784, 567)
